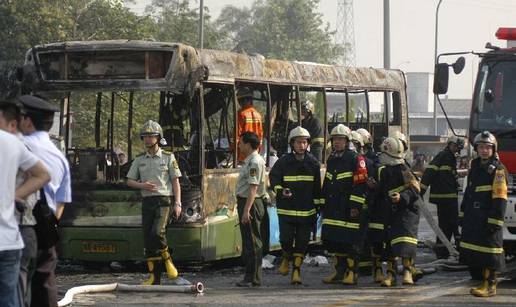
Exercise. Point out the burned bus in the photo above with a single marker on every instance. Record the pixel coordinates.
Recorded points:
(107, 89)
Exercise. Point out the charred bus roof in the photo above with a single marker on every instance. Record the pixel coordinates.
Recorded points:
(176, 67)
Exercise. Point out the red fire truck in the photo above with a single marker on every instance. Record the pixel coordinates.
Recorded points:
(493, 108)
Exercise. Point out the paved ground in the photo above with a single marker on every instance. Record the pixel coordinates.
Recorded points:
(443, 288)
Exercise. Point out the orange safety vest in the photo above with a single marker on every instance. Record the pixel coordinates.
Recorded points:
(249, 120)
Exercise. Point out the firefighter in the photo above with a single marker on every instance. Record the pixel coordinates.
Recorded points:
(375, 233)
(400, 190)
(249, 119)
(344, 191)
(156, 173)
(484, 203)
(441, 176)
(296, 179)
(314, 127)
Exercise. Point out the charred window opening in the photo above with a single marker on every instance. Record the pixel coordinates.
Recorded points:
(100, 65)
(285, 116)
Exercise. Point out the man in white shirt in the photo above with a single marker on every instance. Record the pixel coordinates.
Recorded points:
(15, 156)
(35, 125)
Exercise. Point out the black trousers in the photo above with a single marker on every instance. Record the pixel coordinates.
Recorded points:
(294, 237)
(155, 217)
(44, 286)
(448, 216)
(251, 240)
(265, 231)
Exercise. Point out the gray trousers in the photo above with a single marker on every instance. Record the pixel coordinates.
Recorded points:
(27, 264)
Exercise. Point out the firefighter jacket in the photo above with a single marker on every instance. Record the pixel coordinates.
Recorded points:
(375, 202)
(314, 127)
(483, 208)
(249, 120)
(401, 219)
(303, 178)
(441, 176)
(344, 198)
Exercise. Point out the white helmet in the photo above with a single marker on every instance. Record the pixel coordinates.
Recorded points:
(308, 106)
(357, 137)
(400, 136)
(393, 147)
(366, 136)
(298, 132)
(340, 130)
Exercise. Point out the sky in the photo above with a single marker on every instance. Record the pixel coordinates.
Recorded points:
(464, 25)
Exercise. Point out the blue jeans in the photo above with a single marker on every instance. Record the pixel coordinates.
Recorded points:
(9, 271)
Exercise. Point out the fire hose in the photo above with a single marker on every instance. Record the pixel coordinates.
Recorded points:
(197, 288)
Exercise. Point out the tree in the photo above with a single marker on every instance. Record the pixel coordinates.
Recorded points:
(282, 29)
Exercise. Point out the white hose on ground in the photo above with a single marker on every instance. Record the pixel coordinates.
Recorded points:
(68, 298)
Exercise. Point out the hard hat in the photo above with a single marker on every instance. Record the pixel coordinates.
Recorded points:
(485, 137)
(243, 92)
(340, 130)
(356, 137)
(308, 106)
(400, 136)
(151, 127)
(393, 147)
(456, 140)
(366, 136)
(298, 132)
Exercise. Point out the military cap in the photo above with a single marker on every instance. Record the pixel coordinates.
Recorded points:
(37, 106)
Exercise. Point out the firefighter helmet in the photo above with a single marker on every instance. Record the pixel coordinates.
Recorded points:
(393, 147)
(340, 130)
(366, 136)
(308, 106)
(356, 137)
(298, 132)
(457, 141)
(485, 137)
(400, 136)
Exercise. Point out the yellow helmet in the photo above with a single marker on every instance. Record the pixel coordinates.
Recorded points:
(366, 136)
(340, 130)
(308, 106)
(298, 132)
(356, 137)
(393, 147)
(485, 137)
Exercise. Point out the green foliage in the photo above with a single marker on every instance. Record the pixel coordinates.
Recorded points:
(282, 29)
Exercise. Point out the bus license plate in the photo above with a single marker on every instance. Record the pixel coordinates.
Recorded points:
(98, 247)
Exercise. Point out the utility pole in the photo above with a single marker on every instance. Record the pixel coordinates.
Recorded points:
(201, 24)
(435, 60)
(386, 34)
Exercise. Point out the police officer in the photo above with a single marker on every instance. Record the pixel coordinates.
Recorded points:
(400, 190)
(441, 176)
(484, 204)
(156, 173)
(314, 127)
(296, 179)
(250, 191)
(35, 125)
(344, 191)
(375, 212)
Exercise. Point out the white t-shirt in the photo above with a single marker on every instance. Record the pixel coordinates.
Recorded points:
(13, 156)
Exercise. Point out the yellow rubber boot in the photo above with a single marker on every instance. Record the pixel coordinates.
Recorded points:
(169, 266)
(351, 275)
(284, 267)
(390, 278)
(417, 274)
(488, 286)
(407, 271)
(296, 270)
(340, 267)
(377, 269)
(154, 273)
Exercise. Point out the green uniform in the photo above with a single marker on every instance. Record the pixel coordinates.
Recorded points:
(159, 169)
(252, 173)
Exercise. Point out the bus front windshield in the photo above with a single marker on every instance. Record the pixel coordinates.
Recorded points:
(495, 98)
